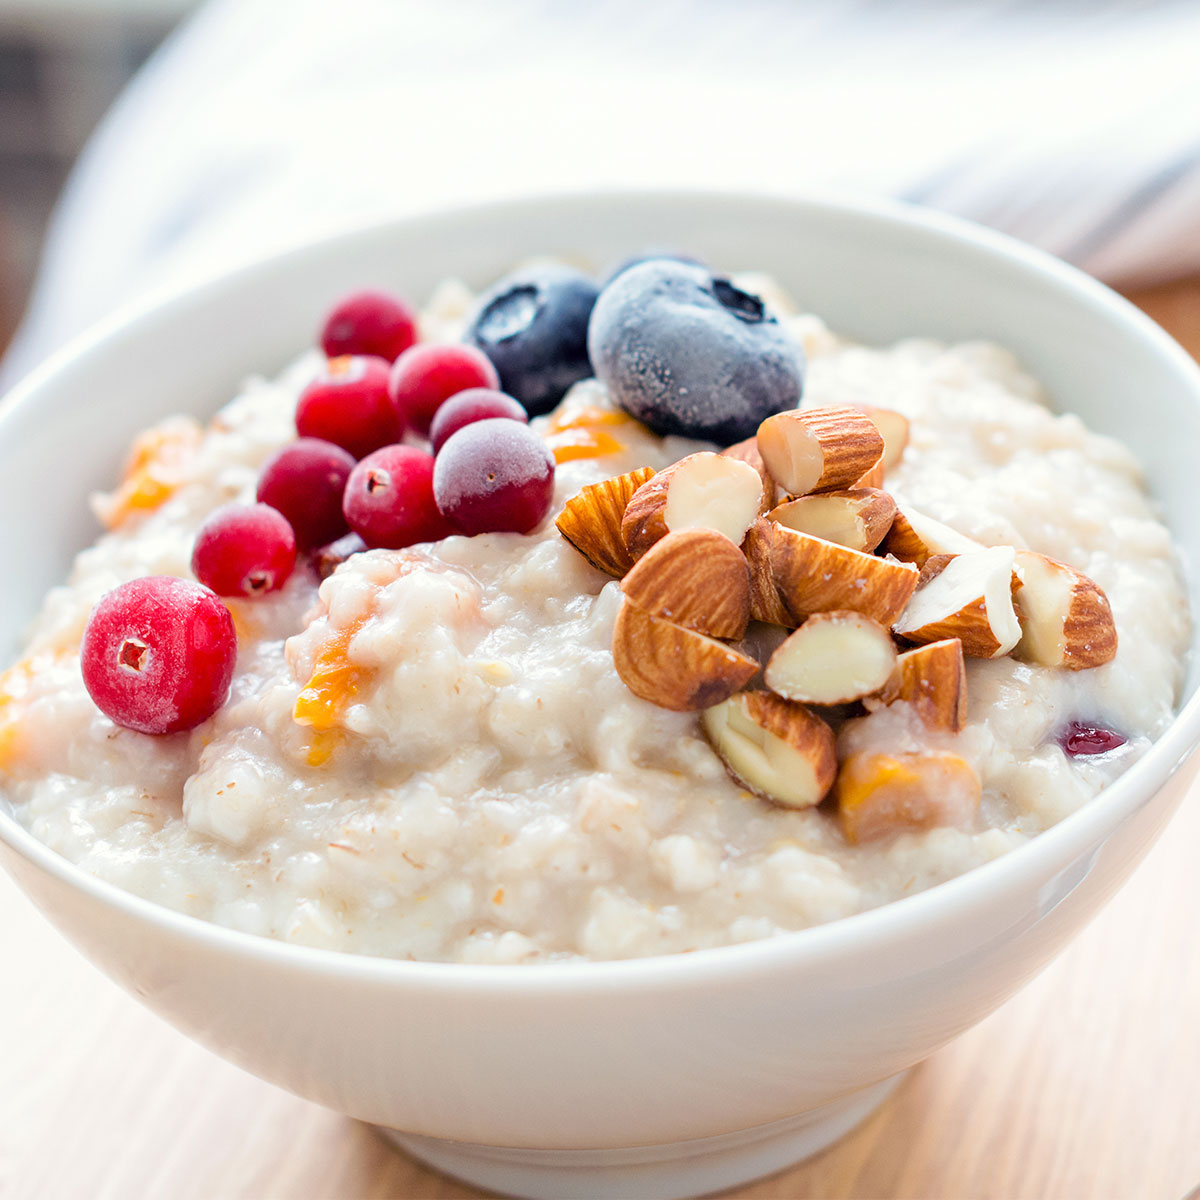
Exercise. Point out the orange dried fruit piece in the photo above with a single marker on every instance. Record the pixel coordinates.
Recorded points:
(587, 433)
(334, 683)
(153, 471)
(882, 794)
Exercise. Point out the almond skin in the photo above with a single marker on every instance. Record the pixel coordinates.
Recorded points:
(696, 578)
(1066, 620)
(813, 575)
(774, 748)
(819, 449)
(591, 521)
(765, 601)
(933, 679)
(856, 517)
(883, 794)
(915, 537)
(893, 428)
(702, 490)
(674, 667)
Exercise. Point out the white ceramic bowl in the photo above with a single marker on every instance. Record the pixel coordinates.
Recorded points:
(655, 1077)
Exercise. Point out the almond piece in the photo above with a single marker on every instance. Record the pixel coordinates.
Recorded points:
(933, 679)
(819, 449)
(872, 478)
(765, 602)
(747, 452)
(857, 517)
(914, 537)
(696, 578)
(882, 794)
(704, 490)
(893, 428)
(1066, 620)
(833, 658)
(813, 575)
(674, 667)
(971, 598)
(774, 748)
(591, 520)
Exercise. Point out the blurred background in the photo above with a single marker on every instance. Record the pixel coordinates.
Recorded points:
(250, 124)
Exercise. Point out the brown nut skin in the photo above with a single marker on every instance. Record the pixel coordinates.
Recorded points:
(696, 578)
(674, 667)
(591, 521)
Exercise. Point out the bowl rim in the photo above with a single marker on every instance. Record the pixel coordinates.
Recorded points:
(1059, 846)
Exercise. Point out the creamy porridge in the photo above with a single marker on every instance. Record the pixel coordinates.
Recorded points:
(431, 755)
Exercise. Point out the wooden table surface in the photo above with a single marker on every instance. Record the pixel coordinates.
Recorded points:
(1086, 1084)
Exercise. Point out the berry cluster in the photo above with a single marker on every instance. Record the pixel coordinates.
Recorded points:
(159, 652)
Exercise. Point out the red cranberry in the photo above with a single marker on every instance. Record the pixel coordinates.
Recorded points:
(494, 475)
(425, 375)
(369, 322)
(1078, 739)
(327, 559)
(348, 404)
(305, 482)
(244, 550)
(158, 654)
(389, 499)
(475, 404)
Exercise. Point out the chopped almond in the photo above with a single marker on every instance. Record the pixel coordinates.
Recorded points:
(773, 747)
(696, 578)
(872, 478)
(933, 679)
(914, 537)
(813, 575)
(893, 428)
(857, 517)
(591, 520)
(882, 794)
(1066, 620)
(819, 449)
(674, 667)
(704, 490)
(765, 601)
(970, 599)
(833, 658)
(747, 452)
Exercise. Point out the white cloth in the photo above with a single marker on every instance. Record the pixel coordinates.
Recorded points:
(1074, 124)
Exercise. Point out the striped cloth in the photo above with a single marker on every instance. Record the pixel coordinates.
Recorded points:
(1074, 124)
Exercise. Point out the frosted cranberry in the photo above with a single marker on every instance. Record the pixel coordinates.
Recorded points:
(389, 499)
(244, 550)
(475, 404)
(158, 654)
(1078, 739)
(327, 559)
(425, 375)
(493, 476)
(305, 482)
(348, 404)
(369, 322)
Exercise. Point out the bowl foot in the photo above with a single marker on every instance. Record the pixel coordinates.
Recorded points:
(664, 1172)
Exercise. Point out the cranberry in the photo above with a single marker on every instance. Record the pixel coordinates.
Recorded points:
(389, 499)
(1078, 739)
(425, 375)
(369, 322)
(348, 404)
(244, 550)
(494, 475)
(305, 482)
(158, 654)
(475, 404)
(327, 559)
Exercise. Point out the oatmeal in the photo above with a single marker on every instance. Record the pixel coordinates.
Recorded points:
(430, 754)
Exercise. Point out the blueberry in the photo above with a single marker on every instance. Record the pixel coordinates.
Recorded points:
(687, 352)
(533, 326)
(636, 260)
